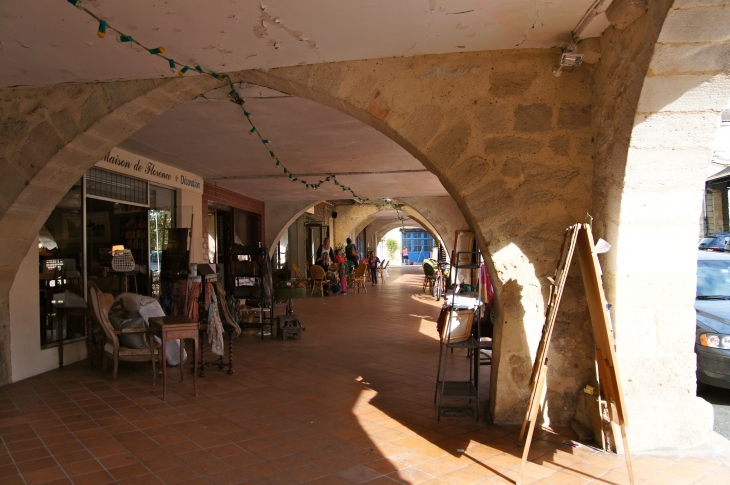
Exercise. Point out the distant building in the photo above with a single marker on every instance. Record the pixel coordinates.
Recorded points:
(419, 244)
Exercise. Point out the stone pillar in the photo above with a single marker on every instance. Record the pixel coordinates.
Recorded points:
(653, 148)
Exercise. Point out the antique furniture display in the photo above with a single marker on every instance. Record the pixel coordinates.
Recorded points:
(100, 304)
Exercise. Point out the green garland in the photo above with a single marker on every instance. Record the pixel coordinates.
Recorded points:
(233, 94)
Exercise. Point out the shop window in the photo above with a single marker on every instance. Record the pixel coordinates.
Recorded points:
(161, 218)
(60, 251)
(110, 224)
(110, 185)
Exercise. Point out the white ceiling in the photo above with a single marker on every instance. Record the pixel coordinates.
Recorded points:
(45, 42)
(209, 136)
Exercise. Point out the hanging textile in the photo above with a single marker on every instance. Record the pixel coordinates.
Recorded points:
(193, 295)
(208, 293)
(225, 311)
(215, 328)
(487, 289)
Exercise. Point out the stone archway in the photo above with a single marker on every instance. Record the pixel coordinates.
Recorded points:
(280, 215)
(492, 126)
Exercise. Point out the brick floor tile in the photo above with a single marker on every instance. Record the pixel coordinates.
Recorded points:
(44, 475)
(307, 473)
(82, 467)
(176, 474)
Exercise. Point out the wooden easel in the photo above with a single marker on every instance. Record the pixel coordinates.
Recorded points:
(578, 238)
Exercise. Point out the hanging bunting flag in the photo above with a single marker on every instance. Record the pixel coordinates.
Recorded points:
(159, 51)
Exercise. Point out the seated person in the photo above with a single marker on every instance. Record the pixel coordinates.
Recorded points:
(324, 261)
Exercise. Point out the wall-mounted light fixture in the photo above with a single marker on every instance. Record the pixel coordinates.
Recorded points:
(568, 59)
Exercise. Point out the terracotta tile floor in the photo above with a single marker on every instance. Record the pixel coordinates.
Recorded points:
(350, 403)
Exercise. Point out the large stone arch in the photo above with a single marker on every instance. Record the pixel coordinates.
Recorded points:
(366, 221)
(493, 126)
(660, 86)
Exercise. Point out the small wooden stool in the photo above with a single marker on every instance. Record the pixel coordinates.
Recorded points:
(291, 326)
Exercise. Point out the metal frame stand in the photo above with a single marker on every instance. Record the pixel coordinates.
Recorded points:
(468, 389)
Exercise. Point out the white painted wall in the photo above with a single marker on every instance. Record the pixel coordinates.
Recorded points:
(26, 357)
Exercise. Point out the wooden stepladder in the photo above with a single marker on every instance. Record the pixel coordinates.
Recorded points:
(578, 238)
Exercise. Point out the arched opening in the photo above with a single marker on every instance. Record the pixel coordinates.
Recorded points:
(490, 186)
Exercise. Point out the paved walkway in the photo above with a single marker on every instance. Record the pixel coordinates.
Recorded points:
(350, 403)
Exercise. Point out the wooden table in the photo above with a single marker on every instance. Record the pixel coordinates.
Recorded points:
(171, 328)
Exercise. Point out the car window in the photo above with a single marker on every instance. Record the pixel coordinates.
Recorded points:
(713, 278)
(706, 240)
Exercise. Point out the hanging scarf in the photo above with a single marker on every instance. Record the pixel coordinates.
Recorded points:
(193, 295)
(215, 328)
(208, 293)
(487, 290)
(226, 313)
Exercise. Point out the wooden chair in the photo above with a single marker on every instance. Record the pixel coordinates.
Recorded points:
(319, 280)
(94, 334)
(429, 274)
(359, 278)
(101, 304)
(381, 270)
(300, 277)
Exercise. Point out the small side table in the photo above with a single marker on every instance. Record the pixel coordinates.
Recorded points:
(171, 328)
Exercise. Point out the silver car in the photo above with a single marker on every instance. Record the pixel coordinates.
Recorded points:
(712, 304)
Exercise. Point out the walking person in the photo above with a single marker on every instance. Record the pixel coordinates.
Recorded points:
(351, 252)
(373, 262)
(405, 255)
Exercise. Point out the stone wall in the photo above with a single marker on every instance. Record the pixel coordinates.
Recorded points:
(351, 219)
(657, 97)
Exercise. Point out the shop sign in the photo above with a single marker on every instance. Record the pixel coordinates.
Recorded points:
(143, 168)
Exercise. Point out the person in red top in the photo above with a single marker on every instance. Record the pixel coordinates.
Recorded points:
(340, 260)
(405, 255)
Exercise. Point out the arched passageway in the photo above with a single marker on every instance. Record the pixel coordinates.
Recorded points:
(515, 147)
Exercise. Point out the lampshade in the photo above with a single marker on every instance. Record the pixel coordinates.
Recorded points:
(117, 248)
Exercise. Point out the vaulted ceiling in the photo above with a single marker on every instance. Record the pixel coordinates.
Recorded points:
(47, 42)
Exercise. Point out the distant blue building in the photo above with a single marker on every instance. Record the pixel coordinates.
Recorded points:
(419, 244)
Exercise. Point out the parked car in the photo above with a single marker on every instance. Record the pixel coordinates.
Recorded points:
(712, 304)
(717, 243)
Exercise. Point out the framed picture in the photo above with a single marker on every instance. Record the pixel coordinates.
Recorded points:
(97, 227)
(459, 326)
(71, 224)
